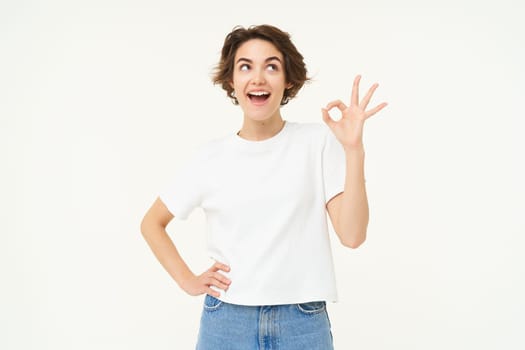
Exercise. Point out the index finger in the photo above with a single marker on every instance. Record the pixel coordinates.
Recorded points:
(219, 266)
(337, 103)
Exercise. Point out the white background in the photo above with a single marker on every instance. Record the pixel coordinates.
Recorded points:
(101, 102)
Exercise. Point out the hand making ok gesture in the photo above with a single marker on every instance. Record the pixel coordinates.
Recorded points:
(349, 129)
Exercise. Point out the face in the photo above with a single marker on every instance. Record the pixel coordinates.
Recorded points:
(259, 79)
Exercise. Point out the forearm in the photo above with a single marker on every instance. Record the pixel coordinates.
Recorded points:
(353, 216)
(166, 252)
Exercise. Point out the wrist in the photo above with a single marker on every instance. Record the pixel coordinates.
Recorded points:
(355, 149)
(184, 278)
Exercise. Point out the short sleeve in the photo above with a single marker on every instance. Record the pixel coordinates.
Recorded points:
(334, 166)
(185, 193)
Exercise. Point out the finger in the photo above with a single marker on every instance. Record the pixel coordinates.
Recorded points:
(376, 109)
(214, 282)
(326, 117)
(355, 91)
(221, 278)
(218, 284)
(337, 103)
(212, 292)
(366, 99)
(219, 266)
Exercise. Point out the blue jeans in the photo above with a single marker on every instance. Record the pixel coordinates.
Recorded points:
(227, 326)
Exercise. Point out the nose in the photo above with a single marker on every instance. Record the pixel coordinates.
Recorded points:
(258, 77)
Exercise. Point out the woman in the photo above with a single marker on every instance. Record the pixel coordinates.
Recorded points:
(265, 191)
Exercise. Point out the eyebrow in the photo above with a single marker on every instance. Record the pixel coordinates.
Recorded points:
(266, 60)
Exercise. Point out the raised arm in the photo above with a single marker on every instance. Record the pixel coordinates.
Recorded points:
(348, 210)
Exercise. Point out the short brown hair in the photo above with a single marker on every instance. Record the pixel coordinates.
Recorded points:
(294, 67)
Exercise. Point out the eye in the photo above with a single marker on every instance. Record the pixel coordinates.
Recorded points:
(272, 67)
(244, 67)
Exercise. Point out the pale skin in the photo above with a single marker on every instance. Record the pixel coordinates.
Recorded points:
(348, 211)
(258, 67)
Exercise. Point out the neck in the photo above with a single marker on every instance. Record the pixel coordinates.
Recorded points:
(255, 130)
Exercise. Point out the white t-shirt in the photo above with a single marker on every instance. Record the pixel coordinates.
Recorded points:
(265, 205)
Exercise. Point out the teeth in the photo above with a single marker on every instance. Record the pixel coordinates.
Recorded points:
(259, 93)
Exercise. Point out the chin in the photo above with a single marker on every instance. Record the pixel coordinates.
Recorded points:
(259, 117)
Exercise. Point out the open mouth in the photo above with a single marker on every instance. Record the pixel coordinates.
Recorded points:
(258, 97)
